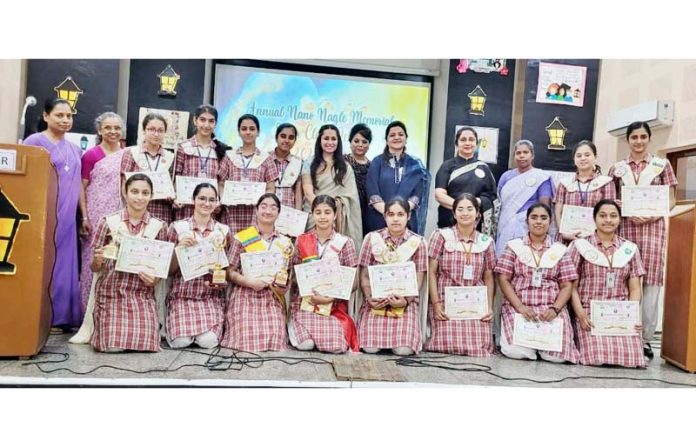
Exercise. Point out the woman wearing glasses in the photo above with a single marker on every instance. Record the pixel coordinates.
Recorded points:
(151, 157)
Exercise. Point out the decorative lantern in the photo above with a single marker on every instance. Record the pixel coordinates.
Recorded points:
(10, 219)
(168, 79)
(69, 91)
(478, 101)
(557, 133)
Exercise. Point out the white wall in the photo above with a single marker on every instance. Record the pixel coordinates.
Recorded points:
(12, 82)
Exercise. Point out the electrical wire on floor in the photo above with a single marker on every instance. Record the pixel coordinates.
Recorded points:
(437, 362)
(214, 361)
(238, 360)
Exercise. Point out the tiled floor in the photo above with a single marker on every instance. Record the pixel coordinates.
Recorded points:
(176, 368)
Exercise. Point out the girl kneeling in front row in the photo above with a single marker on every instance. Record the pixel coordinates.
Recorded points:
(392, 322)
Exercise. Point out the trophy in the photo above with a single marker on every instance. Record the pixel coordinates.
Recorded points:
(219, 276)
(111, 249)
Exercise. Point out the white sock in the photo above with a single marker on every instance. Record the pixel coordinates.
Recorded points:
(207, 340)
(402, 350)
(181, 342)
(306, 345)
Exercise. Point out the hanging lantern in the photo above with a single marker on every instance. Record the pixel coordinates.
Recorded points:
(478, 101)
(168, 79)
(10, 218)
(557, 133)
(69, 91)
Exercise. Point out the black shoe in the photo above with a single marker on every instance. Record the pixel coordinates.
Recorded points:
(648, 352)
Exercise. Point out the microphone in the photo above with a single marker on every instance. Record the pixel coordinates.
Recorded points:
(29, 102)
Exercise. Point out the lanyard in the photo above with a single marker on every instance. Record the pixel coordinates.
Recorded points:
(636, 178)
(147, 159)
(207, 158)
(281, 166)
(537, 261)
(321, 248)
(246, 165)
(610, 258)
(583, 194)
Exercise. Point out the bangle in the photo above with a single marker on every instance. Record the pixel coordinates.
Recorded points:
(555, 310)
(84, 219)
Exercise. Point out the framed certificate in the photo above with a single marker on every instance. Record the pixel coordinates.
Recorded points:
(186, 185)
(645, 201)
(542, 335)
(242, 193)
(577, 219)
(291, 222)
(139, 254)
(393, 279)
(162, 185)
(614, 318)
(318, 275)
(198, 260)
(466, 303)
(263, 265)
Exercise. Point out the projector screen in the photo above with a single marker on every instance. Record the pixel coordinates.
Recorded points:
(309, 100)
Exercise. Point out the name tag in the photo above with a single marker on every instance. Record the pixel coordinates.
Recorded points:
(468, 271)
(611, 280)
(536, 278)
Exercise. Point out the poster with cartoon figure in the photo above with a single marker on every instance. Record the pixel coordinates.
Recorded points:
(487, 149)
(561, 84)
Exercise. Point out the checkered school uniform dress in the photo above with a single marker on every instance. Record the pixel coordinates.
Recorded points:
(197, 165)
(239, 217)
(600, 350)
(192, 307)
(125, 313)
(160, 209)
(254, 321)
(286, 194)
(326, 332)
(538, 298)
(387, 332)
(462, 337)
(581, 198)
(651, 238)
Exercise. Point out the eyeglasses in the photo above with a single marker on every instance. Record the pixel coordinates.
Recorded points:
(112, 128)
(263, 206)
(155, 131)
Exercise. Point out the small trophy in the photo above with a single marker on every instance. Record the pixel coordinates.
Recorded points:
(111, 249)
(281, 278)
(219, 276)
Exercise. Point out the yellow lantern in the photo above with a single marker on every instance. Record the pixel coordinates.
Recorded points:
(557, 133)
(10, 218)
(69, 91)
(478, 101)
(168, 79)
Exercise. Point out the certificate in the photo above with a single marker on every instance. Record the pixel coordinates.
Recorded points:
(198, 260)
(242, 193)
(317, 275)
(344, 287)
(542, 335)
(466, 303)
(393, 279)
(577, 219)
(614, 318)
(645, 201)
(186, 185)
(291, 222)
(151, 256)
(162, 186)
(263, 265)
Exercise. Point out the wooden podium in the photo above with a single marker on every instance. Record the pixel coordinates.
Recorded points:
(28, 190)
(679, 316)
